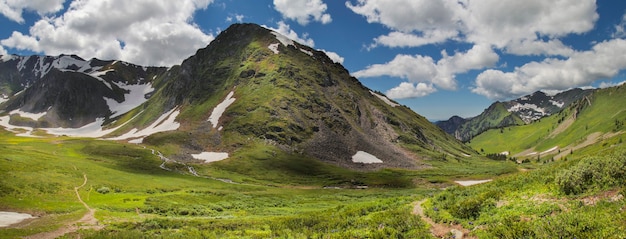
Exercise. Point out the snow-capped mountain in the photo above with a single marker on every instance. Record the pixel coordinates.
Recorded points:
(539, 104)
(68, 91)
(523, 110)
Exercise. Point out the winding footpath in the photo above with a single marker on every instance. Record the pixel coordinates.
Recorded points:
(440, 230)
(88, 221)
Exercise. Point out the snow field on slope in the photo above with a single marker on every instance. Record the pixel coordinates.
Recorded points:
(165, 122)
(210, 156)
(364, 157)
(217, 112)
(135, 97)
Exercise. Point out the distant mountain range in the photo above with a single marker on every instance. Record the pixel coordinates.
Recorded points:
(250, 92)
(519, 111)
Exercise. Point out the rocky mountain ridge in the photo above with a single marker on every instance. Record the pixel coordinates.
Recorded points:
(250, 90)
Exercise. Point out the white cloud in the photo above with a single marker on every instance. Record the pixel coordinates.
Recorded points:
(3, 52)
(13, 9)
(142, 31)
(501, 23)
(402, 39)
(303, 11)
(286, 30)
(610, 84)
(536, 47)
(410, 90)
(239, 17)
(620, 29)
(235, 17)
(533, 27)
(423, 69)
(603, 61)
(334, 56)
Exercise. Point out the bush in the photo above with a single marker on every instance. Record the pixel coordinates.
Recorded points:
(593, 173)
(103, 190)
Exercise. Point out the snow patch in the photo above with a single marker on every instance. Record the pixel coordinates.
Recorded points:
(166, 122)
(220, 108)
(384, 99)
(9, 218)
(557, 103)
(91, 130)
(519, 107)
(306, 52)
(366, 158)
(472, 182)
(136, 141)
(135, 97)
(97, 75)
(283, 39)
(209, 157)
(3, 98)
(274, 48)
(4, 122)
(33, 116)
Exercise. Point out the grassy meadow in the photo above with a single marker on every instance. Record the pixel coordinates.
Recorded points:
(270, 194)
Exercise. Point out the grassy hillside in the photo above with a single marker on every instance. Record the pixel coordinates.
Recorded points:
(582, 197)
(496, 116)
(591, 124)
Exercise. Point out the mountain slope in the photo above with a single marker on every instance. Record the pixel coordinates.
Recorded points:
(250, 90)
(519, 111)
(596, 120)
(67, 91)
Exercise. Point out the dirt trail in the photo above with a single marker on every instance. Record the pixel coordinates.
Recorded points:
(440, 230)
(88, 221)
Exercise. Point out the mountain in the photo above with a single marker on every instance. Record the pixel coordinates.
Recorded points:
(594, 122)
(519, 111)
(68, 91)
(452, 124)
(251, 93)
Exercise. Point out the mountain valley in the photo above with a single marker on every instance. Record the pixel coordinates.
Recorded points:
(259, 136)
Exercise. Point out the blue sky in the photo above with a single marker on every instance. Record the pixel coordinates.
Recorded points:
(439, 57)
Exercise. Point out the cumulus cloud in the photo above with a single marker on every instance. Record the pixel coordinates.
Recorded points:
(527, 28)
(603, 61)
(620, 29)
(303, 11)
(13, 9)
(334, 56)
(423, 69)
(285, 29)
(410, 90)
(500, 23)
(142, 31)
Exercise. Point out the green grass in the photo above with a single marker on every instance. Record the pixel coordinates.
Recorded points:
(600, 115)
(280, 195)
(535, 204)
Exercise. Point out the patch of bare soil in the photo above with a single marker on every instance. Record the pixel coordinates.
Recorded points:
(562, 127)
(610, 196)
(440, 230)
(88, 221)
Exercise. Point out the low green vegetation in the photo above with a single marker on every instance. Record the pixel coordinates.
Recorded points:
(580, 198)
(595, 121)
(264, 192)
